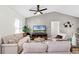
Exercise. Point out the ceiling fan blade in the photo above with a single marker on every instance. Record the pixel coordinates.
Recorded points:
(38, 6)
(32, 10)
(35, 13)
(40, 12)
(43, 9)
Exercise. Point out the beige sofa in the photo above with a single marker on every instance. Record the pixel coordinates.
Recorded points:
(9, 43)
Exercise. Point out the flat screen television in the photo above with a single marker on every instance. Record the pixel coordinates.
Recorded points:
(39, 28)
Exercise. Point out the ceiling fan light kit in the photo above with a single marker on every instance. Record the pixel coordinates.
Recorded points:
(38, 10)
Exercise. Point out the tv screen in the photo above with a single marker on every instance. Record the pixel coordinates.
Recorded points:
(39, 28)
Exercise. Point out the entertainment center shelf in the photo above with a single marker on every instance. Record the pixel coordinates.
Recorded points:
(42, 35)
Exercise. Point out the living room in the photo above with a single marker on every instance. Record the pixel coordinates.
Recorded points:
(56, 26)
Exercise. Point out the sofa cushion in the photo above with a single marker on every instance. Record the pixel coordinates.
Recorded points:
(6, 39)
(34, 48)
(10, 41)
(12, 38)
(22, 41)
(17, 37)
(59, 46)
(9, 49)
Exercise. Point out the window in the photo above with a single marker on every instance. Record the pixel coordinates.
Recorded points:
(17, 26)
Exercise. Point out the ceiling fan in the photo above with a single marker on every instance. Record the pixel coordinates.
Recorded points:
(38, 10)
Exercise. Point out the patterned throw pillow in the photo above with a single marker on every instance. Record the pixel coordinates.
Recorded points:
(39, 39)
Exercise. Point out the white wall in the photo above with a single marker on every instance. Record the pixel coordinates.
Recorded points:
(46, 19)
(7, 19)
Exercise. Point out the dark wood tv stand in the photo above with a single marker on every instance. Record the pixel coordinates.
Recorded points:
(42, 35)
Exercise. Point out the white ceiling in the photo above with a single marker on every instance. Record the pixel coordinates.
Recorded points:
(66, 9)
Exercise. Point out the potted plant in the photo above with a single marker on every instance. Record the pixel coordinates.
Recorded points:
(26, 30)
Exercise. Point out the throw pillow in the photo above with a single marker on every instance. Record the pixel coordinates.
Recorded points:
(24, 40)
(63, 35)
(39, 39)
(59, 36)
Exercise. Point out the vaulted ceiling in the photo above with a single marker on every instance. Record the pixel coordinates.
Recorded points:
(23, 10)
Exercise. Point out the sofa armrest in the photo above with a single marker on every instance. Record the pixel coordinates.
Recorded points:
(0, 41)
(0, 45)
(9, 48)
(9, 45)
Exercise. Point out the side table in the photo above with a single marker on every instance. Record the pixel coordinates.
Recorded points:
(75, 50)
